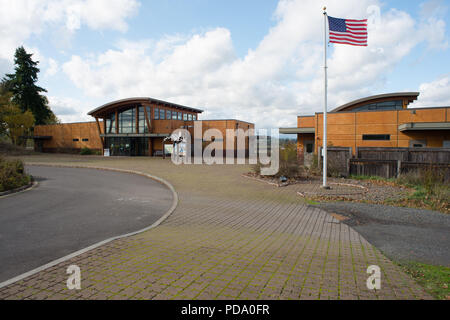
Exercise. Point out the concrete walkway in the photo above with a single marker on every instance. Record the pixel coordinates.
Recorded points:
(229, 238)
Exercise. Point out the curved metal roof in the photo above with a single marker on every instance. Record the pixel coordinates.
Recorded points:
(411, 96)
(118, 103)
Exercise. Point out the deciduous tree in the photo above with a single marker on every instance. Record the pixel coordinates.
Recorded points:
(17, 123)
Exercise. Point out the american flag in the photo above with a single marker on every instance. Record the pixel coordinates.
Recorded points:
(348, 31)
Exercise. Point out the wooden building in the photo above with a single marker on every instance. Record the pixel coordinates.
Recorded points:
(129, 127)
(377, 121)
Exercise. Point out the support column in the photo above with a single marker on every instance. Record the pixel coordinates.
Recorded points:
(147, 119)
(136, 118)
(117, 121)
(150, 147)
(99, 134)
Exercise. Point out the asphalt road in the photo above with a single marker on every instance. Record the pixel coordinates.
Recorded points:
(72, 209)
(402, 234)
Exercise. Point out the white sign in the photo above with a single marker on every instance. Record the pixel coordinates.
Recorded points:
(106, 152)
(168, 149)
(182, 149)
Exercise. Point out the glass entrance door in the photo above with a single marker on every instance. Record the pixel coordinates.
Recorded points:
(127, 146)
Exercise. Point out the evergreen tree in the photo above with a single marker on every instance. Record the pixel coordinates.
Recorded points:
(26, 94)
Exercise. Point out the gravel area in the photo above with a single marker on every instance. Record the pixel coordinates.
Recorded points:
(403, 234)
(373, 192)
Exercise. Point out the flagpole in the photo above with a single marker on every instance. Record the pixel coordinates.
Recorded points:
(325, 100)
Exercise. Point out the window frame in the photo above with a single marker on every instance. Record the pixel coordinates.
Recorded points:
(376, 137)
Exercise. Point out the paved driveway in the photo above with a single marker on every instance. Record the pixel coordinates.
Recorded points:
(229, 238)
(404, 234)
(72, 209)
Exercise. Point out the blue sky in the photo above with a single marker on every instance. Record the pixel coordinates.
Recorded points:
(258, 61)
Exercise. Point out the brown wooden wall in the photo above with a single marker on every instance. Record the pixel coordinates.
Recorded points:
(63, 136)
(345, 129)
(223, 125)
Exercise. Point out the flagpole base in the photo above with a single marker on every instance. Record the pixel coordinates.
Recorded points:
(325, 187)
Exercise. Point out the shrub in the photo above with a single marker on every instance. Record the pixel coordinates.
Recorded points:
(333, 168)
(86, 152)
(289, 166)
(432, 188)
(12, 175)
(428, 178)
(256, 168)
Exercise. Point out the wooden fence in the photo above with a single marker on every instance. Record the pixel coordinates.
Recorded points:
(424, 155)
(386, 162)
(372, 167)
(395, 168)
(337, 158)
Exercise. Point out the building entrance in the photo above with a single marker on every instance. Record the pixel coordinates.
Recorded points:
(127, 146)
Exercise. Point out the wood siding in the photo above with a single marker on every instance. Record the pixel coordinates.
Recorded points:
(346, 129)
(63, 136)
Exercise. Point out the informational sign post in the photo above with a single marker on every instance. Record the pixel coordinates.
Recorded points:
(168, 149)
(181, 149)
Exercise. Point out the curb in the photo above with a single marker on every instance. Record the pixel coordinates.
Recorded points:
(365, 190)
(278, 185)
(98, 244)
(29, 186)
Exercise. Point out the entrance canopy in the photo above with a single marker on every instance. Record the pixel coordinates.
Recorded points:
(296, 130)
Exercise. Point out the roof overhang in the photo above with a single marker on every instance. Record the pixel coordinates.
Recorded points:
(296, 130)
(108, 107)
(410, 96)
(420, 126)
(134, 135)
(38, 137)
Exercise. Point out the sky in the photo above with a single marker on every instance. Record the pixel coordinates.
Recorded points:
(255, 60)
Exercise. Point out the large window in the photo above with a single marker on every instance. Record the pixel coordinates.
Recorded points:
(126, 146)
(381, 106)
(174, 115)
(156, 113)
(168, 114)
(111, 123)
(194, 117)
(185, 116)
(127, 121)
(143, 128)
(180, 116)
(190, 117)
(162, 114)
(374, 137)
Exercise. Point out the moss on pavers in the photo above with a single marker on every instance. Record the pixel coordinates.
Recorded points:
(229, 238)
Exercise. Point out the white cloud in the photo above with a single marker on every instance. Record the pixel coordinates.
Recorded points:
(53, 67)
(68, 109)
(434, 94)
(20, 19)
(279, 79)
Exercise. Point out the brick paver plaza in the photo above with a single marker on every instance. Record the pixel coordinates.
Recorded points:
(229, 238)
